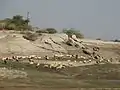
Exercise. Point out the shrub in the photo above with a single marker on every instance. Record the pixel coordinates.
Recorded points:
(98, 39)
(51, 30)
(2, 25)
(42, 31)
(72, 31)
(48, 30)
(116, 40)
(11, 26)
(16, 23)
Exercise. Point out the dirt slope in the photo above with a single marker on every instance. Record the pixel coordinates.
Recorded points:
(48, 44)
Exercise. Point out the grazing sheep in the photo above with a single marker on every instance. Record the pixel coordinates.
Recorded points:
(19, 57)
(84, 61)
(82, 57)
(38, 57)
(32, 56)
(76, 56)
(59, 67)
(38, 64)
(70, 64)
(5, 61)
(46, 66)
(97, 62)
(31, 63)
(75, 61)
(89, 60)
(96, 49)
(46, 57)
(56, 56)
(70, 56)
(68, 60)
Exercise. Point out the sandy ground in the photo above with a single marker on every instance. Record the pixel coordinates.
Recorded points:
(15, 44)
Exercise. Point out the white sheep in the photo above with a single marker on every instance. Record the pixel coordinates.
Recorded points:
(39, 57)
(75, 61)
(32, 56)
(58, 55)
(31, 62)
(69, 56)
(46, 57)
(82, 57)
(59, 67)
(46, 66)
(68, 60)
(24, 57)
(38, 64)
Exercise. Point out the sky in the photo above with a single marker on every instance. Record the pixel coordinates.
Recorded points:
(94, 18)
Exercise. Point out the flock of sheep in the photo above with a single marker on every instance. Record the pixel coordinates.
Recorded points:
(70, 59)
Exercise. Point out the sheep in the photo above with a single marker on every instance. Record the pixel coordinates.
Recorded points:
(68, 60)
(31, 62)
(76, 56)
(69, 55)
(24, 57)
(70, 64)
(46, 57)
(56, 56)
(46, 66)
(38, 57)
(38, 64)
(5, 58)
(32, 56)
(82, 57)
(53, 65)
(90, 60)
(84, 61)
(97, 62)
(75, 61)
(19, 57)
(5, 61)
(96, 49)
(59, 67)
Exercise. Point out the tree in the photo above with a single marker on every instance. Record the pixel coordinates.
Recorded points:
(72, 31)
(51, 30)
(17, 23)
(2, 25)
(11, 26)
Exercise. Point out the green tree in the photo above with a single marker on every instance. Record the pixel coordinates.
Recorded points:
(11, 26)
(17, 23)
(73, 31)
(51, 30)
(2, 25)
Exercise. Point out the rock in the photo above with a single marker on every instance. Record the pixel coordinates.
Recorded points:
(87, 51)
(74, 38)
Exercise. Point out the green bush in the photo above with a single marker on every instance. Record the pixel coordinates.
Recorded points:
(11, 26)
(72, 31)
(48, 30)
(16, 23)
(2, 25)
(51, 30)
(42, 31)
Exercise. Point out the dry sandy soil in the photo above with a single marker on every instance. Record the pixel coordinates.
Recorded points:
(94, 76)
(13, 43)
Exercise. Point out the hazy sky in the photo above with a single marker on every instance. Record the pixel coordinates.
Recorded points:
(94, 18)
